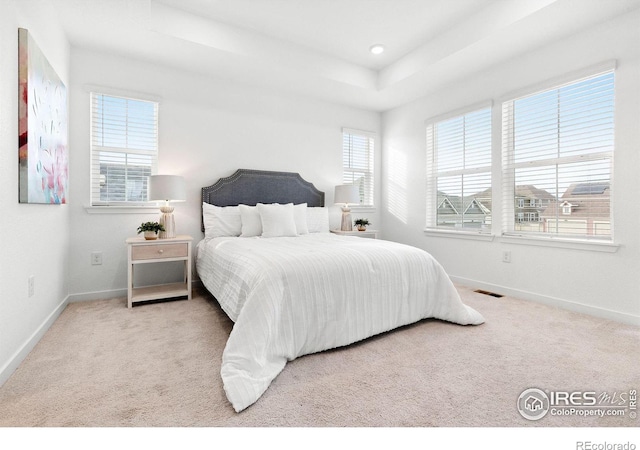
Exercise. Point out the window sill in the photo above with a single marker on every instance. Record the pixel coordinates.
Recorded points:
(364, 209)
(574, 244)
(122, 209)
(471, 235)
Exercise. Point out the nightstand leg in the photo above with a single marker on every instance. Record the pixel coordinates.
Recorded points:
(130, 286)
(187, 268)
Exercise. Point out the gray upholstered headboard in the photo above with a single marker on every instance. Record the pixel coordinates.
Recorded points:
(249, 187)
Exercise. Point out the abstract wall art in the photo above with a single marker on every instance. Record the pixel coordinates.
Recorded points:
(43, 154)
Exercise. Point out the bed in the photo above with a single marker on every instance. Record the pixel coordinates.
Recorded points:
(298, 289)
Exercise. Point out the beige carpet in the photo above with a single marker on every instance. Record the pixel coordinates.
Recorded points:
(102, 364)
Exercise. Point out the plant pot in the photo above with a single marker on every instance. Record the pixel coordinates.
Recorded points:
(150, 235)
(362, 228)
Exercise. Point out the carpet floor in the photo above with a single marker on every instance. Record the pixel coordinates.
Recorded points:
(158, 365)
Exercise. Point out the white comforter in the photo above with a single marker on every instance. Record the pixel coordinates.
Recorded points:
(293, 296)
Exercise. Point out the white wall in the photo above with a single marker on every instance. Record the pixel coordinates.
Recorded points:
(34, 237)
(598, 283)
(208, 129)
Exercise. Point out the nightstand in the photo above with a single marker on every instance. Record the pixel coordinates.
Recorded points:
(142, 251)
(371, 234)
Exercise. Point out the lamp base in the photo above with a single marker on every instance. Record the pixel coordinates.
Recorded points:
(346, 224)
(168, 222)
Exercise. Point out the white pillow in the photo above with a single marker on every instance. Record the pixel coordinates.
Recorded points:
(318, 219)
(251, 223)
(300, 218)
(277, 220)
(220, 221)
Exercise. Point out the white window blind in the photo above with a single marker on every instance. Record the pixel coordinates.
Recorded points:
(459, 172)
(557, 153)
(357, 161)
(124, 149)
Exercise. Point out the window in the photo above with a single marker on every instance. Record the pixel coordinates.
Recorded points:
(459, 172)
(557, 150)
(124, 149)
(357, 162)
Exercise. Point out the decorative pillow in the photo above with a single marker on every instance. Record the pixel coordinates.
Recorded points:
(220, 221)
(318, 219)
(300, 218)
(277, 220)
(251, 223)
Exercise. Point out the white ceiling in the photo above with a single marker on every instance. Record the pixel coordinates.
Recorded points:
(320, 48)
(343, 29)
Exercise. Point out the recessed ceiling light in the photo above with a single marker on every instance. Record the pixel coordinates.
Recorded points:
(376, 49)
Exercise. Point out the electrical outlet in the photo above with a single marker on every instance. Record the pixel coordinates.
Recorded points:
(32, 285)
(506, 256)
(96, 258)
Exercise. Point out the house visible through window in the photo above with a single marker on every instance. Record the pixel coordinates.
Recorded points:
(459, 172)
(557, 151)
(357, 162)
(124, 149)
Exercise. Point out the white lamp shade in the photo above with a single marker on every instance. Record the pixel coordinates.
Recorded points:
(346, 194)
(169, 188)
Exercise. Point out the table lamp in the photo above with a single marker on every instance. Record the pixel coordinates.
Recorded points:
(167, 188)
(345, 195)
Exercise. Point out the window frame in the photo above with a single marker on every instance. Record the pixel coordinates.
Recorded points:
(95, 204)
(368, 200)
(509, 207)
(432, 202)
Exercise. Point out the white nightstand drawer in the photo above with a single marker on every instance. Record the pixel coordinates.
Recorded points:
(159, 251)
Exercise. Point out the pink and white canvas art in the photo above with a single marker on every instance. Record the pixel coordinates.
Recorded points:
(42, 154)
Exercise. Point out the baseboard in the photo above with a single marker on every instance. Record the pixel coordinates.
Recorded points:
(112, 293)
(23, 351)
(97, 295)
(595, 311)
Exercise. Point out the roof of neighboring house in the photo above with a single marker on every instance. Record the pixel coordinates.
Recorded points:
(484, 197)
(458, 205)
(530, 191)
(587, 200)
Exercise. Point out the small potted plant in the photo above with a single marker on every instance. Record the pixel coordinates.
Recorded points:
(361, 224)
(150, 230)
